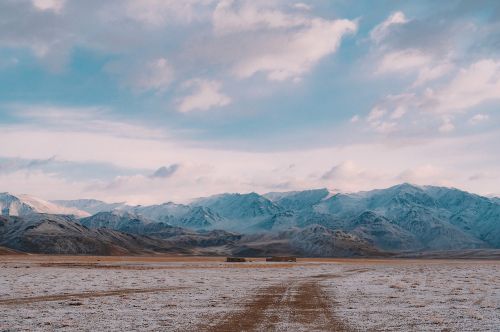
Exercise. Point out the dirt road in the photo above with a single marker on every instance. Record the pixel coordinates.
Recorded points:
(298, 305)
(84, 295)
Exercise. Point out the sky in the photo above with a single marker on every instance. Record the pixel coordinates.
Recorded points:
(163, 100)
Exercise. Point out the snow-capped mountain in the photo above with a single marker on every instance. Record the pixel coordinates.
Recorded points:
(240, 212)
(196, 217)
(91, 206)
(21, 205)
(439, 218)
(12, 205)
(118, 220)
(382, 232)
(298, 200)
(400, 218)
(239, 206)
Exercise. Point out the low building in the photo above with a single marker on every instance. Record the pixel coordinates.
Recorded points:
(235, 259)
(281, 259)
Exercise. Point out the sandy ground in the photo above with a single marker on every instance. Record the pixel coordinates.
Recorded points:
(47, 293)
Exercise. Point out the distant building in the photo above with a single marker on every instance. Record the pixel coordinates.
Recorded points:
(281, 259)
(235, 259)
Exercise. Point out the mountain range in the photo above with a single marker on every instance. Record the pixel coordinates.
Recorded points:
(400, 219)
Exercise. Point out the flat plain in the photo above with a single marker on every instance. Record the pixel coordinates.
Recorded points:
(161, 293)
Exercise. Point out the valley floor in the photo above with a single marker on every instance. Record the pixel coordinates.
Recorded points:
(206, 294)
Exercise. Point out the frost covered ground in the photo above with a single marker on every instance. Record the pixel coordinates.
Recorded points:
(415, 295)
(183, 294)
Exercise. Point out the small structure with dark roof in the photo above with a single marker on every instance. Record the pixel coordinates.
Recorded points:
(235, 259)
(281, 259)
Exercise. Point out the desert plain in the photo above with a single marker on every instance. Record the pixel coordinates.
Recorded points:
(175, 293)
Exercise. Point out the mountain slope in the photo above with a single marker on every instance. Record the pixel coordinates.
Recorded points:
(91, 206)
(126, 222)
(240, 212)
(12, 205)
(298, 200)
(311, 241)
(21, 205)
(383, 234)
(196, 217)
(400, 218)
(117, 220)
(50, 234)
(438, 218)
(239, 206)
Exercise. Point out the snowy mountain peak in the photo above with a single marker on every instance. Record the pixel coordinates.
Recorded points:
(21, 205)
(299, 200)
(402, 217)
(91, 206)
(239, 206)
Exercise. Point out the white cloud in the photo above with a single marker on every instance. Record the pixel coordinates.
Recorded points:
(127, 29)
(432, 72)
(350, 176)
(89, 119)
(347, 170)
(287, 45)
(398, 112)
(295, 54)
(272, 39)
(478, 118)
(157, 13)
(55, 6)
(375, 120)
(384, 127)
(447, 126)
(413, 61)
(456, 93)
(144, 75)
(265, 37)
(375, 114)
(380, 31)
(472, 86)
(302, 6)
(157, 75)
(354, 119)
(38, 183)
(426, 174)
(206, 95)
(404, 60)
(208, 171)
(248, 16)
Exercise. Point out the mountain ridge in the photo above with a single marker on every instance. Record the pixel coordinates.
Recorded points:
(26, 204)
(400, 218)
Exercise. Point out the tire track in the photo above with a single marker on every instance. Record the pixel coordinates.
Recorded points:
(84, 295)
(300, 305)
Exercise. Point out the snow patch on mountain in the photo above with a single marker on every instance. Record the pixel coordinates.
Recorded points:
(26, 204)
(92, 206)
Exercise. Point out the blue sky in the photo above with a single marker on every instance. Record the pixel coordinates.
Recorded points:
(150, 101)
